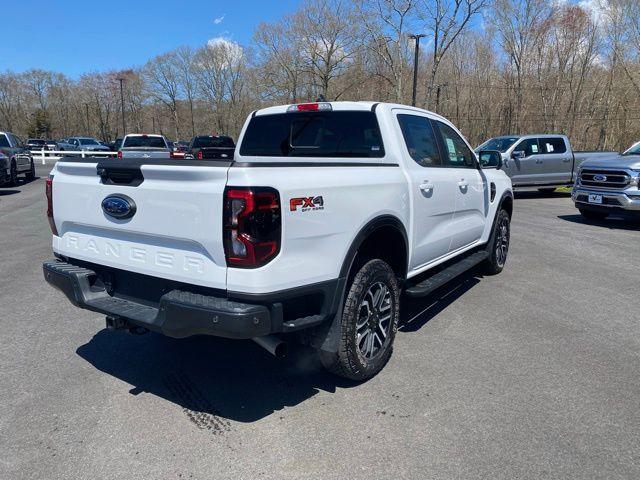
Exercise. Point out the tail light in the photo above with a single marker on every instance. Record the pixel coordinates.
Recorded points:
(252, 226)
(200, 155)
(49, 193)
(119, 154)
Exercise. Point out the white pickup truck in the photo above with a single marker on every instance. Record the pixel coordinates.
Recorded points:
(327, 213)
(145, 146)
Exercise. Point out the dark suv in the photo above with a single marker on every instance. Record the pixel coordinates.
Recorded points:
(210, 147)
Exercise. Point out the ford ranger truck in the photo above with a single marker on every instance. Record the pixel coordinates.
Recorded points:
(540, 161)
(609, 186)
(326, 216)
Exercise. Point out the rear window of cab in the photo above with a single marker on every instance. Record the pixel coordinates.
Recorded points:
(341, 134)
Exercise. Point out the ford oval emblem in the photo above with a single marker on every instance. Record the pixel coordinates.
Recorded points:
(119, 206)
(600, 178)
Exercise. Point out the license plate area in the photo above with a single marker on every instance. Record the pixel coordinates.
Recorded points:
(597, 199)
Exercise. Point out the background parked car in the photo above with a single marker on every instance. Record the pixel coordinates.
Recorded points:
(115, 145)
(82, 143)
(207, 147)
(50, 144)
(35, 143)
(15, 160)
(146, 146)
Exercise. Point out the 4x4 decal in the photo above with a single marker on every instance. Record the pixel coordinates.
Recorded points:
(306, 203)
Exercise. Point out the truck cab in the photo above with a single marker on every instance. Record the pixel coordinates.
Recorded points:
(541, 160)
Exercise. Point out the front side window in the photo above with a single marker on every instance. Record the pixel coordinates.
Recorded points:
(456, 152)
(501, 144)
(529, 147)
(420, 140)
(341, 134)
(88, 141)
(553, 145)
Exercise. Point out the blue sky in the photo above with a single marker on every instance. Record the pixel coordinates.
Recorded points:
(74, 37)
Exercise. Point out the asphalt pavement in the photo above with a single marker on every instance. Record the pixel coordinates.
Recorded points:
(533, 373)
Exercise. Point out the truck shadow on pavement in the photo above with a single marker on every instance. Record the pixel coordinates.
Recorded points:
(215, 380)
(612, 222)
(4, 193)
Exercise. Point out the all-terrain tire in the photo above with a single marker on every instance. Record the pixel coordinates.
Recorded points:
(371, 311)
(498, 246)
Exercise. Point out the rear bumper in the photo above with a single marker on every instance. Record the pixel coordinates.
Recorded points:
(181, 313)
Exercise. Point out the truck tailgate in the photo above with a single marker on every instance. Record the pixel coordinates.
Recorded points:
(175, 233)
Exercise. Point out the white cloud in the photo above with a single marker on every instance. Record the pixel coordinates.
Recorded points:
(597, 9)
(231, 50)
(219, 20)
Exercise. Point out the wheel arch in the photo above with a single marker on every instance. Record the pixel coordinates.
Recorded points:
(372, 241)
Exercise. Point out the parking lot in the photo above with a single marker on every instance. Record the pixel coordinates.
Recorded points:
(529, 374)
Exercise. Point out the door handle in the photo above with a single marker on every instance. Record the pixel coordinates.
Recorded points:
(463, 183)
(426, 186)
(566, 160)
(538, 161)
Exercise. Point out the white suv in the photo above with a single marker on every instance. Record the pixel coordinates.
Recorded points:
(325, 215)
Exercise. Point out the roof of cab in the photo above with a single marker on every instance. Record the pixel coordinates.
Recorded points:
(343, 106)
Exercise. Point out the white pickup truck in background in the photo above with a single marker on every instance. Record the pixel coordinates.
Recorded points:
(543, 161)
(145, 146)
(325, 215)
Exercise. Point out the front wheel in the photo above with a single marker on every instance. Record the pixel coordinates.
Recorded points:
(31, 174)
(499, 244)
(368, 323)
(13, 175)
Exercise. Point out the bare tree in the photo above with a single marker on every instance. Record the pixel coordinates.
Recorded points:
(446, 20)
(162, 78)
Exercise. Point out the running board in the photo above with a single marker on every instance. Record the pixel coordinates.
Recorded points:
(444, 276)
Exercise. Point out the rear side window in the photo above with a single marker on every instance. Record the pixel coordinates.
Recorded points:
(456, 151)
(553, 145)
(144, 142)
(420, 140)
(212, 142)
(529, 147)
(313, 134)
(4, 141)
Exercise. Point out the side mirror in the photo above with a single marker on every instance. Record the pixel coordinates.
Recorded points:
(490, 159)
(517, 154)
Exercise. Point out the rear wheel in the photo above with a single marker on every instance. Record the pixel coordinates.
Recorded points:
(592, 214)
(368, 324)
(499, 244)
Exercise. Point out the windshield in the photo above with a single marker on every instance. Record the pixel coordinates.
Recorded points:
(314, 134)
(88, 141)
(210, 142)
(500, 144)
(144, 142)
(634, 150)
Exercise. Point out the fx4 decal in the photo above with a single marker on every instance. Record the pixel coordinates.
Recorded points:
(306, 203)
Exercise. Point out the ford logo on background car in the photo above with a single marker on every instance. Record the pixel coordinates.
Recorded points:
(600, 178)
(119, 206)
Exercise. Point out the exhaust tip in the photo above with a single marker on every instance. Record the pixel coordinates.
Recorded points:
(273, 345)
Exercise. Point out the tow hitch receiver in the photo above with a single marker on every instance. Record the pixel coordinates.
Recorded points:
(118, 323)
